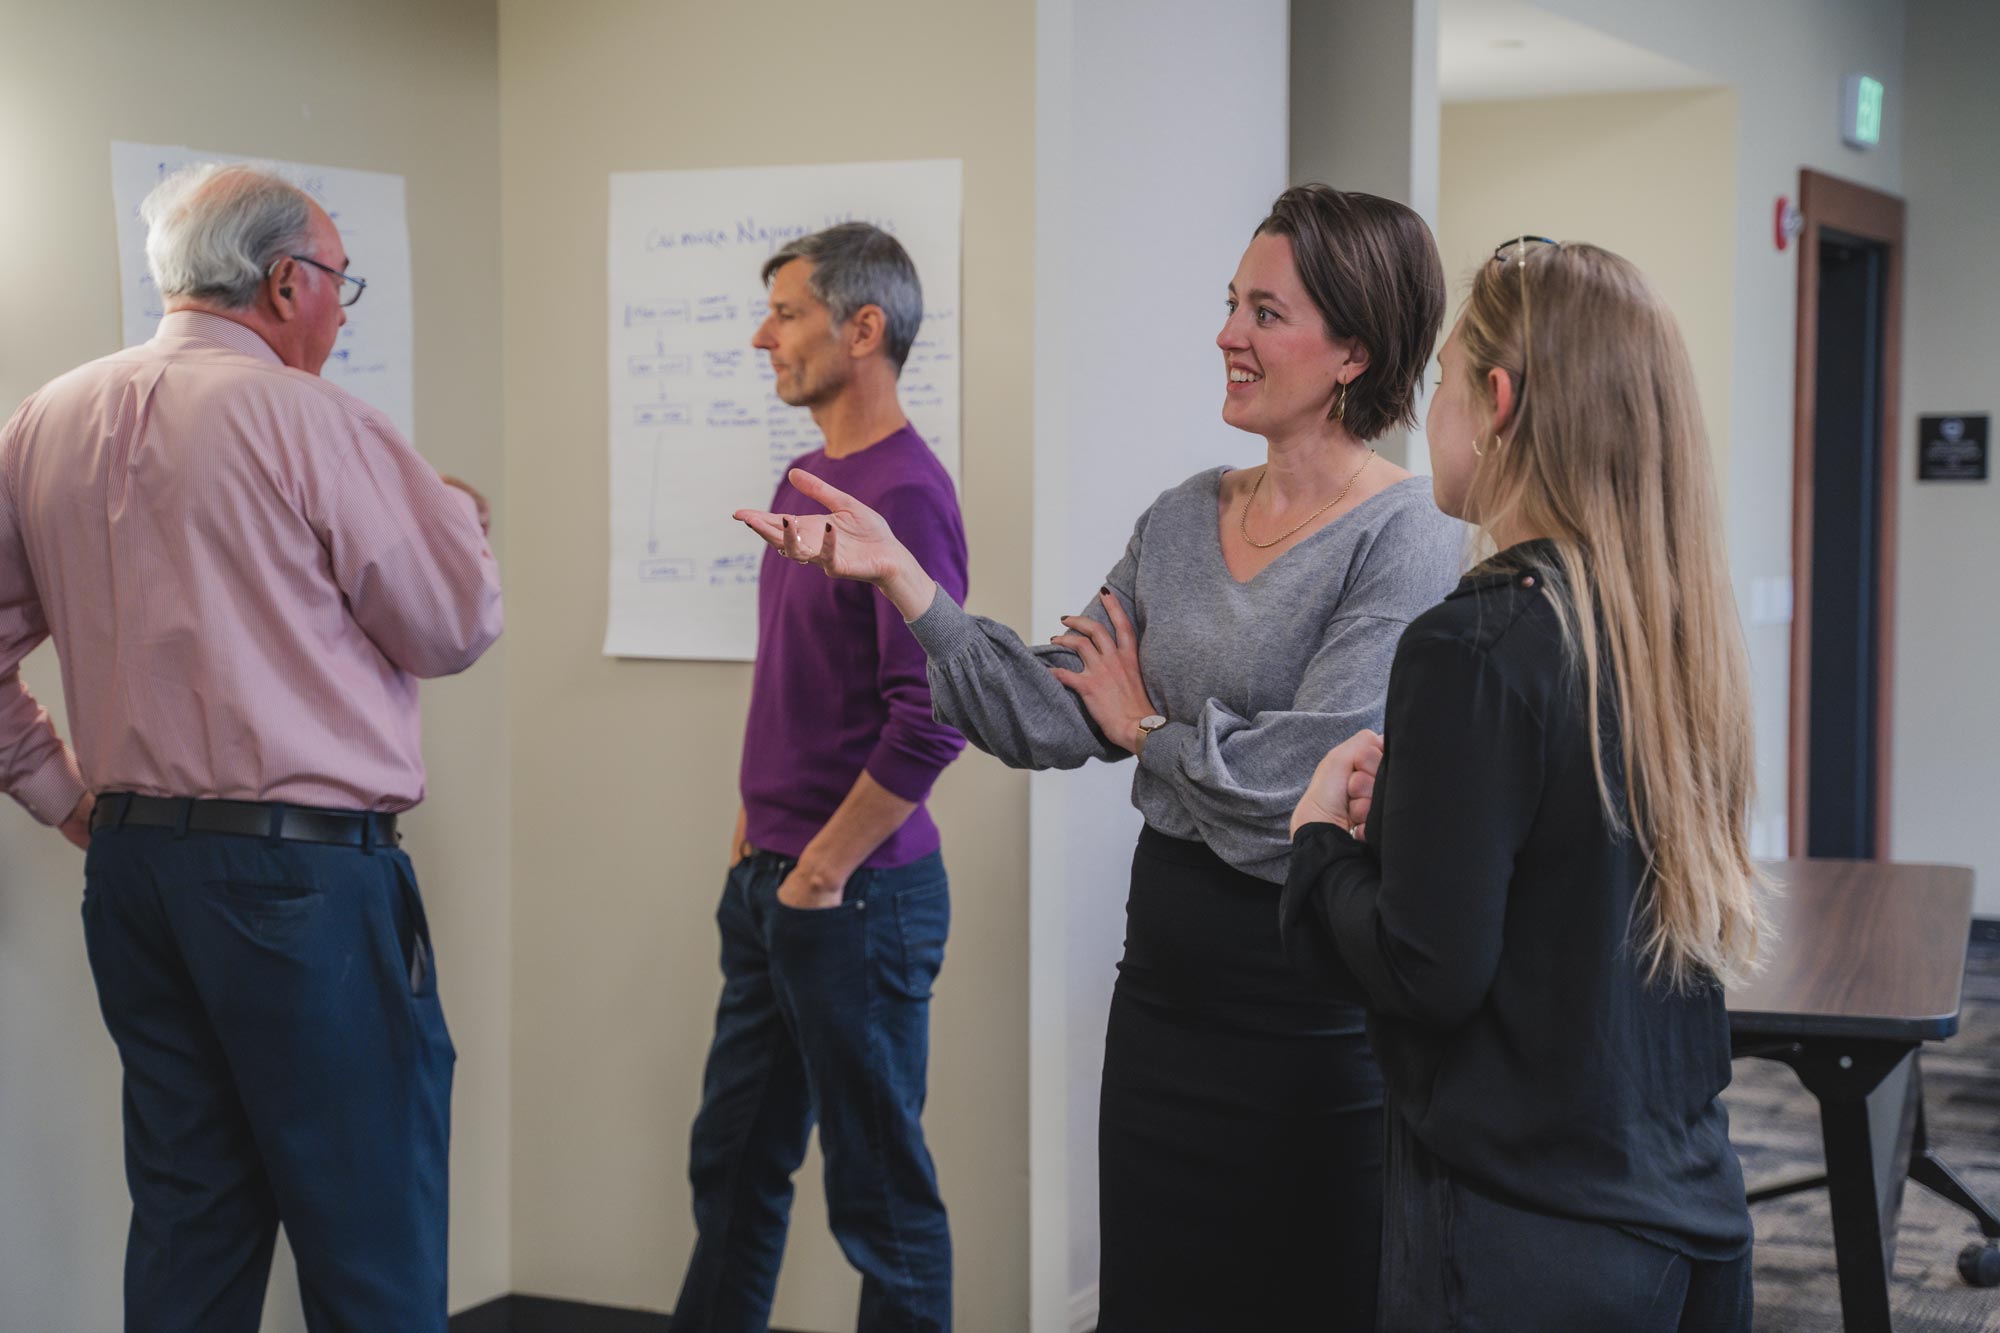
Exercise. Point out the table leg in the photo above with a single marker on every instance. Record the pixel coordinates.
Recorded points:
(1867, 1121)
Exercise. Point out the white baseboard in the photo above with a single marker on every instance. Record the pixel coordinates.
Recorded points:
(1083, 1310)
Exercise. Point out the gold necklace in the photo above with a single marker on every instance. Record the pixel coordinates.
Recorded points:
(1243, 519)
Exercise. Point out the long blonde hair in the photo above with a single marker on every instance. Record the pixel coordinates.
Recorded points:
(1605, 454)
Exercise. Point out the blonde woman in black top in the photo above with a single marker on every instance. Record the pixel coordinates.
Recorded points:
(1538, 879)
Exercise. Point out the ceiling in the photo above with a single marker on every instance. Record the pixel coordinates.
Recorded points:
(1492, 49)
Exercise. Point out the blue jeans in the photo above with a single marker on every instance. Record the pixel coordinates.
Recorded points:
(275, 1008)
(825, 1015)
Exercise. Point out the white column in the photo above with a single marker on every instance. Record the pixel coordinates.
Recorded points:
(1160, 144)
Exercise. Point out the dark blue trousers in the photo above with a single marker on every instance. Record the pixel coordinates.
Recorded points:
(275, 1007)
(1457, 1257)
(824, 1015)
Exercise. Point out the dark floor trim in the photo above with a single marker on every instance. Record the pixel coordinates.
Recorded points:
(495, 1316)
(1986, 929)
(539, 1314)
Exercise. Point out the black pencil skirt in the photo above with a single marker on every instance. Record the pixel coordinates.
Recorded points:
(1240, 1127)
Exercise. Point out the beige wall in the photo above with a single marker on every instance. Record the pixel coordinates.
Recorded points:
(1947, 719)
(1649, 175)
(374, 84)
(1786, 63)
(625, 770)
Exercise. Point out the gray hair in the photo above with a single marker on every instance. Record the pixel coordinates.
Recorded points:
(855, 265)
(214, 230)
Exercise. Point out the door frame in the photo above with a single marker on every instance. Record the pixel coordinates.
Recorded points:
(1831, 203)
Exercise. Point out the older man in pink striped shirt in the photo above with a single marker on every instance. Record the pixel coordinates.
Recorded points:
(246, 571)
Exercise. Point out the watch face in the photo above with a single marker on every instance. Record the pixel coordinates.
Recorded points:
(1152, 722)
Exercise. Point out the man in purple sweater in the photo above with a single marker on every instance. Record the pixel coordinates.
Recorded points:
(836, 908)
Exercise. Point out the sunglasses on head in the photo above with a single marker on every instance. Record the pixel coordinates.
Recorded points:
(1520, 242)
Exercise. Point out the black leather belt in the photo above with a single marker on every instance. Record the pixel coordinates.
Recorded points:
(249, 819)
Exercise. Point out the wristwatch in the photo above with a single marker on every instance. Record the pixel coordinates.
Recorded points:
(1149, 724)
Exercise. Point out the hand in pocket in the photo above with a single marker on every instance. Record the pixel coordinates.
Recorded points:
(811, 891)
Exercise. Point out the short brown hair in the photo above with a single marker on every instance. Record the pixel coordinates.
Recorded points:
(1372, 268)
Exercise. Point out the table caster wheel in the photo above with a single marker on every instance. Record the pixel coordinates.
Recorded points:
(1979, 1264)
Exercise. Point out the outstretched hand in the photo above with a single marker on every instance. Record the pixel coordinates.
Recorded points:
(849, 541)
(1342, 790)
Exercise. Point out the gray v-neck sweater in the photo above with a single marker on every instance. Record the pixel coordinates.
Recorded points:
(1257, 680)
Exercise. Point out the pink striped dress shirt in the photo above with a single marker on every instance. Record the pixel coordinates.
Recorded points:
(245, 570)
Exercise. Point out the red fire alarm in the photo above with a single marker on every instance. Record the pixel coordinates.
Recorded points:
(1788, 223)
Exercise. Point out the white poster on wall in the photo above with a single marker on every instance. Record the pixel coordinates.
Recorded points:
(696, 429)
(371, 358)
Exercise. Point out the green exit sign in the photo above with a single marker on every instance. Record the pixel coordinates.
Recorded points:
(1861, 111)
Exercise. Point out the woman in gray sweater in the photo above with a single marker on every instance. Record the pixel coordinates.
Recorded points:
(1248, 628)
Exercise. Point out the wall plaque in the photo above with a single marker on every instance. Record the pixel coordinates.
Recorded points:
(1952, 448)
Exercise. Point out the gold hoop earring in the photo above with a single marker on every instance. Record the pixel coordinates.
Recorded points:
(1340, 404)
(1477, 452)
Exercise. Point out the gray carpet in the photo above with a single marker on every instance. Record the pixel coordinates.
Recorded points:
(1775, 1124)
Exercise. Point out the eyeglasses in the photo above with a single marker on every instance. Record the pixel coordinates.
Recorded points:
(346, 297)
